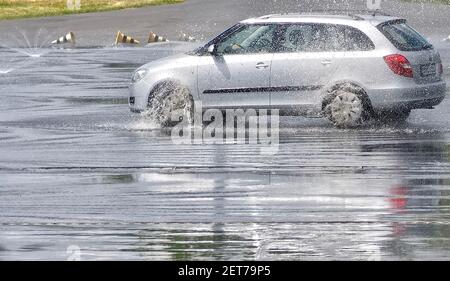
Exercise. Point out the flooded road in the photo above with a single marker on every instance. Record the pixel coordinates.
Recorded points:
(78, 169)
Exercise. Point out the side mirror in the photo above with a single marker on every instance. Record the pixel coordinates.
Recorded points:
(212, 49)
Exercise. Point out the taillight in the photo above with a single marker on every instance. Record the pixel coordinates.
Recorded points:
(399, 65)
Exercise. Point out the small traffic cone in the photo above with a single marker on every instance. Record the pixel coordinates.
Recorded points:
(123, 39)
(153, 38)
(187, 38)
(68, 38)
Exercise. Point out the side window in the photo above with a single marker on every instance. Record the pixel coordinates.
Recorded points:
(323, 38)
(296, 38)
(249, 39)
(306, 38)
(356, 40)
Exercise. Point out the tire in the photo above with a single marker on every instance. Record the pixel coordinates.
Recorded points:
(167, 99)
(393, 116)
(346, 106)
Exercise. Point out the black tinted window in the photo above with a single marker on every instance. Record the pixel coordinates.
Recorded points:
(249, 39)
(354, 39)
(323, 38)
(403, 37)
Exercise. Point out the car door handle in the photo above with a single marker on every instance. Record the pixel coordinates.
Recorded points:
(326, 62)
(261, 65)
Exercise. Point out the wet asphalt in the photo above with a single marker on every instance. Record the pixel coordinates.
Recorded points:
(78, 169)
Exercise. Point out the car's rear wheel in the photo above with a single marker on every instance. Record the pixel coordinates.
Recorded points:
(346, 107)
(170, 100)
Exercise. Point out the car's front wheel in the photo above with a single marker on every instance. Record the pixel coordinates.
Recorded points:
(168, 101)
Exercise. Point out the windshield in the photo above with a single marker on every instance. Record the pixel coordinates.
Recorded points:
(404, 37)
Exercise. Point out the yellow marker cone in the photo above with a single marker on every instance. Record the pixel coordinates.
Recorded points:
(153, 38)
(123, 39)
(68, 38)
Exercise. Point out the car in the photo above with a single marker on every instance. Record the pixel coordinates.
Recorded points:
(346, 67)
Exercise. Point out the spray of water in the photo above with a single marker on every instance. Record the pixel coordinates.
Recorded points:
(12, 66)
(143, 124)
(33, 48)
(5, 71)
(166, 100)
(30, 48)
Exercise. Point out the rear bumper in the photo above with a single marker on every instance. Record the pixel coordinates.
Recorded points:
(413, 97)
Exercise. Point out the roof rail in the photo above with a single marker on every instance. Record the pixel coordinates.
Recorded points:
(349, 12)
(309, 13)
(355, 14)
(333, 12)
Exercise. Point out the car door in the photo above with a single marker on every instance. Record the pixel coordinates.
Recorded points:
(237, 73)
(302, 67)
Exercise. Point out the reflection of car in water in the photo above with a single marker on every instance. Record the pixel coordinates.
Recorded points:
(301, 206)
(347, 68)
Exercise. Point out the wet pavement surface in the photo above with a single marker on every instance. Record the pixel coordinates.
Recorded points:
(78, 169)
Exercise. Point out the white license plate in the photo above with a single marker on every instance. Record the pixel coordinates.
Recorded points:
(428, 70)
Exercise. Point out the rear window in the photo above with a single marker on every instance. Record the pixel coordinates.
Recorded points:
(404, 37)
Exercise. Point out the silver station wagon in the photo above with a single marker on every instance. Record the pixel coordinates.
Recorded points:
(345, 67)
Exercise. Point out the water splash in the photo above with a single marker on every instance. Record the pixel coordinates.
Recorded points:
(143, 124)
(5, 71)
(165, 101)
(31, 54)
(33, 48)
(14, 65)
